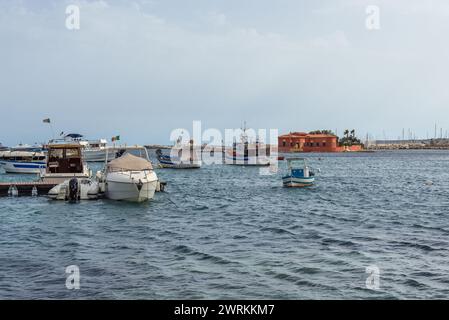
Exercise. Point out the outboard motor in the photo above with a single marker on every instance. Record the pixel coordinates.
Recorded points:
(73, 190)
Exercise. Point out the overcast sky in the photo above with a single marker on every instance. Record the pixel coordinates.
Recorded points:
(142, 68)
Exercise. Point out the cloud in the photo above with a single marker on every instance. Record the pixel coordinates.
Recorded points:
(336, 39)
(217, 19)
(143, 69)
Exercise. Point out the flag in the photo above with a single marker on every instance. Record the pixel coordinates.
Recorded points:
(46, 120)
(116, 138)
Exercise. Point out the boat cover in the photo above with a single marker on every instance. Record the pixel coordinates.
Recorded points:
(130, 162)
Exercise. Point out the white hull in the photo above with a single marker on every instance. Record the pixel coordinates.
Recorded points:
(136, 186)
(88, 190)
(22, 167)
(298, 182)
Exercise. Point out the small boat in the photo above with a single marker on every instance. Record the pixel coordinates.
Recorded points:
(22, 161)
(64, 161)
(181, 156)
(246, 153)
(128, 178)
(300, 174)
(75, 189)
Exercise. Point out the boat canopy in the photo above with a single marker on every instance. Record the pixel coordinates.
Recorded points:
(74, 135)
(130, 162)
(13, 154)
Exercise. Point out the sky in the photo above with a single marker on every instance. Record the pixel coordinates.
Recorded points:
(140, 69)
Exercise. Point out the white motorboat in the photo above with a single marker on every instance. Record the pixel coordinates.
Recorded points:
(22, 161)
(75, 189)
(129, 178)
(64, 161)
(93, 150)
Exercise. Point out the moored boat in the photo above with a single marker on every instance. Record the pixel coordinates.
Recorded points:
(129, 178)
(247, 153)
(75, 189)
(22, 161)
(182, 156)
(64, 161)
(299, 173)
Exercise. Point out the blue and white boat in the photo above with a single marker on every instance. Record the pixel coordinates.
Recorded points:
(182, 156)
(176, 162)
(23, 161)
(299, 173)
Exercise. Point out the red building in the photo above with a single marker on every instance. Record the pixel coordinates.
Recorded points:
(306, 142)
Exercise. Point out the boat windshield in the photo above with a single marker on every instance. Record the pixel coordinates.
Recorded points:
(65, 160)
(56, 153)
(297, 164)
(72, 153)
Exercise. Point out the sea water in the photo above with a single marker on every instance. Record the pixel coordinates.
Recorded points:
(225, 231)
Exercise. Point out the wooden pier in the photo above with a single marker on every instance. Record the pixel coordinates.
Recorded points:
(26, 188)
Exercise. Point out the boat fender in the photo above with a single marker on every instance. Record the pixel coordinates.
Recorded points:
(12, 191)
(73, 189)
(34, 192)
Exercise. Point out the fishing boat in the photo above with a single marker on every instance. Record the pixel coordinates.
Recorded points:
(128, 178)
(299, 173)
(64, 161)
(14, 161)
(182, 156)
(247, 153)
(75, 189)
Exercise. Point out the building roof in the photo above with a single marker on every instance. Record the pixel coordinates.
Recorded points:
(320, 135)
(306, 135)
(294, 134)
